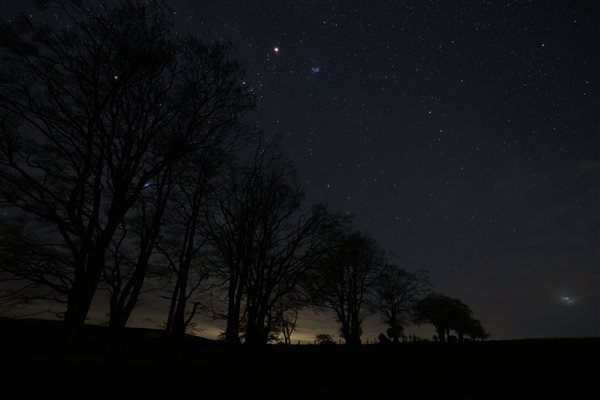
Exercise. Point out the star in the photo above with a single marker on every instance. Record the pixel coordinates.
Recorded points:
(275, 49)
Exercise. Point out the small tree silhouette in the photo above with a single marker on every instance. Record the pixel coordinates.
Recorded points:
(475, 330)
(324, 339)
(443, 312)
(396, 294)
(344, 281)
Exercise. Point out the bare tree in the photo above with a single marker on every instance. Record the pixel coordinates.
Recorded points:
(396, 294)
(93, 112)
(33, 273)
(265, 240)
(344, 281)
(283, 317)
(132, 249)
(185, 235)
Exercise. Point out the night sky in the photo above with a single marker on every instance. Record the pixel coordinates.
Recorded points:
(463, 136)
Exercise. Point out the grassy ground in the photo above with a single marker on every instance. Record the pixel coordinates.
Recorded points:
(143, 366)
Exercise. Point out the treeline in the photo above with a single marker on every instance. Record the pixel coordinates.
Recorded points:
(125, 164)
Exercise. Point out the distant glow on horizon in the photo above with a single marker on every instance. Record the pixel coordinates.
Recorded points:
(568, 300)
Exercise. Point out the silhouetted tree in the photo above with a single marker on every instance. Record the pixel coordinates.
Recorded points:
(443, 312)
(461, 324)
(283, 316)
(344, 280)
(132, 249)
(32, 271)
(324, 339)
(395, 332)
(265, 240)
(93, 112)
(396, 294)
(182, 247)
(383, 339)
(475, 330)
(184, 238)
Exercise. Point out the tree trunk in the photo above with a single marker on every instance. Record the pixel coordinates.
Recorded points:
(346, 332)
(179, 327)
(126, 299)
(78, 306)
(441, 331)
(252, 333)
(394, 330)
(116, 324)
(232, 331)
(172, 307)
(80, 300)
(355, 332)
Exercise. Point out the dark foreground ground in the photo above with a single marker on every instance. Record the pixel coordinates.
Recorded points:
(143, 366)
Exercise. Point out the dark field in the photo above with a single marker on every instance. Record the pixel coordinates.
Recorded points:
(143, 365)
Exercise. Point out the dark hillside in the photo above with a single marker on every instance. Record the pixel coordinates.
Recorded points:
(143, 364)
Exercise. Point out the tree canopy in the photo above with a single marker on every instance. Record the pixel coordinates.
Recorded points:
(447, 313)
(94, 112)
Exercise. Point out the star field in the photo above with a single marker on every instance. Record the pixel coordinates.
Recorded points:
(463, 136)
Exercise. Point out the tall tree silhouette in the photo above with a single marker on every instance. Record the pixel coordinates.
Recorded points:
(266, 241)
(183, 243)
(93, 112)
(396, 294)
(132, 250)
(344, 281)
